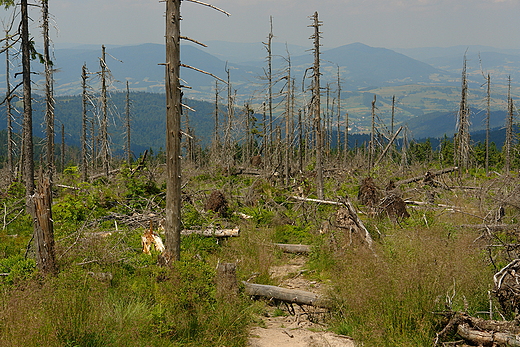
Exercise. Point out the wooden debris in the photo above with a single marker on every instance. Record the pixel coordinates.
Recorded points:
(428, 175)
(226, 281)
(481, 332)
(328, 202)
(347, 218)
(295, 296)
(211, 232)
(101, 276)
(292, 248)
(507, 287)
(151, 238)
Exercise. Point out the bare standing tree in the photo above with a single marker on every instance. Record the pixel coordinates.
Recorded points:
(316, 107)
(488, 114)
(38, 205)
(84, 165)
(372, 145)
(268, 138)
(216, 134)
(509, 129)
(105, 156)
(49, 92)
(127, 111)
(9, 109)
(173, 131)
(462, 147)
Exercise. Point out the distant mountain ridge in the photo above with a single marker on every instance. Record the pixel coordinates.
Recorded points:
(361, 66)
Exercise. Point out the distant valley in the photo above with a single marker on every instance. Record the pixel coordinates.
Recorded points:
(425, 82)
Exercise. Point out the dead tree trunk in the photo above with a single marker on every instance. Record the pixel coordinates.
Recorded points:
(62, 166)
(216, 136)
(49, 92)
(128, 142)
(44, 230)
(27, 108)
(226, 281)
(268, 47)
(84, 165)
(488, 115)
(462, 146)
(295, 296)
(9, 111)
(509, 130)
(338, 110)
(371, 150)
(173, 133)
(104, 114)
(316, 92)
(288, 117)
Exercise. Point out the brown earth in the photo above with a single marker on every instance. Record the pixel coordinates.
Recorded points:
(292, 325)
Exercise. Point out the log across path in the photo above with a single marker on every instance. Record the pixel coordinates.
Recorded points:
(293, 296)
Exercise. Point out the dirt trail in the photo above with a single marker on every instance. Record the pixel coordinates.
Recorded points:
(299, 328)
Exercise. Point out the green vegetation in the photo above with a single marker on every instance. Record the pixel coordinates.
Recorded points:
(108, 293)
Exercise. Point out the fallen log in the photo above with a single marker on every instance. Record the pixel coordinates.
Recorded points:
(294, 296)
(489, 226)
(430, 175)
(482, 332)
(487, 338)
(328, 202)
(292, 248)
(210, 232)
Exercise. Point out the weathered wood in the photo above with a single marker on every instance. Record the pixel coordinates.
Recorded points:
(210, 232)
(359, 223)
(486, 338)
(226, 281)
(292, 248)
(482, 332)
(489, 226)
(295, 296)
(317, 200)
(432, 174)
(44, 228)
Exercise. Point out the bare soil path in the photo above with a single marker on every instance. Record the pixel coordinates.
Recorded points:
(294, 326)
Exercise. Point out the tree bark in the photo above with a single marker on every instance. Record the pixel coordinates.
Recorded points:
(295, 296)
(44, 229)
(291, 248)
(316, 92)
(173, 134)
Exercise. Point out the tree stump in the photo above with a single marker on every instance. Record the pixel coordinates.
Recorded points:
(226, 281)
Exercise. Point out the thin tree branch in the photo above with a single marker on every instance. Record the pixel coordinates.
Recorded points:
(209, 5)
(204, 72)
(192, 40)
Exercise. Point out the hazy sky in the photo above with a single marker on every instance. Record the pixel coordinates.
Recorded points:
(379, 23)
